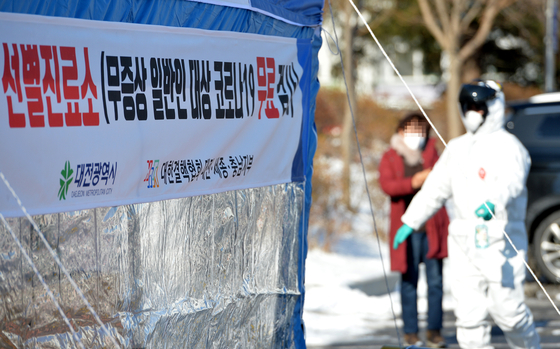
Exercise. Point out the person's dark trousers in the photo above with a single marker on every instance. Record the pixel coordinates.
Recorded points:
(417, 248)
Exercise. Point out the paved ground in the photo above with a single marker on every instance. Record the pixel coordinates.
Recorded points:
(546, 318)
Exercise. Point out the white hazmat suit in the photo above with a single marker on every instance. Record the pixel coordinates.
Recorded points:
(487, 276)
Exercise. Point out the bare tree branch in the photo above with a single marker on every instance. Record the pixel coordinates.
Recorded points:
(472, 13)
(517, 15)
(443, 15)
(431, 24)
(376, 22)
(455, 14)
(479, 37)
(489, 14)
(455, 19)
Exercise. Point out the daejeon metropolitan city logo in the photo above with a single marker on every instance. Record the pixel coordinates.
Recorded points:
(65, 181)
(87, 179)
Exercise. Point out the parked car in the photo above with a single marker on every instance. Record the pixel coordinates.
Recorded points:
(536, 122)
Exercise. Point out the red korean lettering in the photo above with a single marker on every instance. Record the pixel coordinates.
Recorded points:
(35, 106)
(15, 119)
(261, 80)
(266, 78)
(48, 79)
(31, 74)
(271, 111)
(51, 83)
(73, 117)
(69, 73)
(56, 74)
(31, 67)
(88, 81)
(11, 63)
(55, 119)
(7, 79)
(91, 118)
(271, 76)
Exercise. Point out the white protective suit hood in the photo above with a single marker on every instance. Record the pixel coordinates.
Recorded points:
(495, 119)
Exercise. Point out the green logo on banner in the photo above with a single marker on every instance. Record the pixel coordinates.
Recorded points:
(65, 181)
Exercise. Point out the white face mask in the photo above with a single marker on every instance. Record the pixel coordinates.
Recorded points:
(414, 142)
(472, 120)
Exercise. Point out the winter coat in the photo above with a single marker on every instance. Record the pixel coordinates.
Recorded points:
(394, 184)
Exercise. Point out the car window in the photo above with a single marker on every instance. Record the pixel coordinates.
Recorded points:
(537, 126)
(543, 110)
(550, 126)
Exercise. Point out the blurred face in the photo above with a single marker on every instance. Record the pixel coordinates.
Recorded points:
(414, 128)
(414, 134)
(473, 118)
(474, 107)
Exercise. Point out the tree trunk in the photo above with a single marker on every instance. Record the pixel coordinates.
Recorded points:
(471, 70)
(347, 126)
(455, 126)
(447, 22)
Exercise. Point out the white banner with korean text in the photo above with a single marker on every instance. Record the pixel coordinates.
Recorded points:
(104, 114)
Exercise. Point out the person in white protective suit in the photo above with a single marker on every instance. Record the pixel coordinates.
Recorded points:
(484, 173)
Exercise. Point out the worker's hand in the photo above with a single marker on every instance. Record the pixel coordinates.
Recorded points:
(403, 232)
(419, 177)
(483, 211)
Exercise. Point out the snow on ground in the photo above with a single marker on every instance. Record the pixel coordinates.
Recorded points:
(333, 311)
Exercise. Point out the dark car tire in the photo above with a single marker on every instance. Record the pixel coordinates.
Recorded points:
(546, 247)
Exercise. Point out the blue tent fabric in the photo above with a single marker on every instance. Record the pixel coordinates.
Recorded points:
(308, 13)
(178, 13)
(309, 139)
(182, 13)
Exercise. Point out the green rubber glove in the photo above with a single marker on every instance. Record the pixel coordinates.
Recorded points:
(483, 212)
(403, 232)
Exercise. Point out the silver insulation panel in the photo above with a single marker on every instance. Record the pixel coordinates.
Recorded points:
(215, 271)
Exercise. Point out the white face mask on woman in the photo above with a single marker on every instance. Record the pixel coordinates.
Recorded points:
(472, 120)
(414, 141)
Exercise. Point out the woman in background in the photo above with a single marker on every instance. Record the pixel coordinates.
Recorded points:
(402, 171)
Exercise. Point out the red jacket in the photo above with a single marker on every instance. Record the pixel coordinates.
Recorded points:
(394, 184)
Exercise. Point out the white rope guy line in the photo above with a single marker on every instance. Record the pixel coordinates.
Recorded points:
(445, 144)
(57, 260)
(365, 181)
(49, 292)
